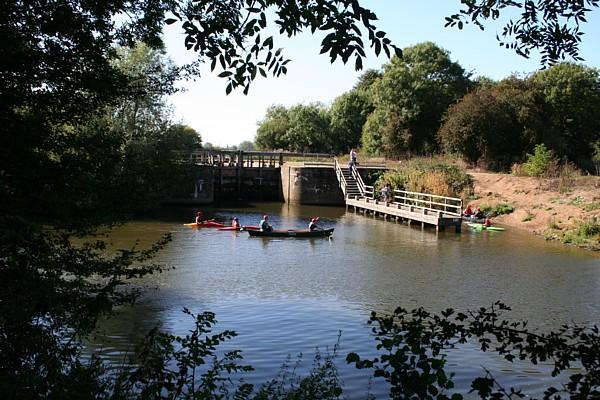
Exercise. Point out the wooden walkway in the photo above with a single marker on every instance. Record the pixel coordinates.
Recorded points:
(412, 207)
(254, 159)
(406, 212)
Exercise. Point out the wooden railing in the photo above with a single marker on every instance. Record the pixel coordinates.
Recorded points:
(449, 205)
(250, 159)
(359, 181)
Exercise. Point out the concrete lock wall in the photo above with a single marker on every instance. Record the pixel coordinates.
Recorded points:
(200, 190)
(316, 185)
(232, 183)
(293, 182)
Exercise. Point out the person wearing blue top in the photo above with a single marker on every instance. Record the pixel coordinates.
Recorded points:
(264, 225)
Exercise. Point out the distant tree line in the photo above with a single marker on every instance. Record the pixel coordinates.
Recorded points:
(425, 103)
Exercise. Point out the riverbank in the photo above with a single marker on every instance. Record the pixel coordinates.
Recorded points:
(552, 207)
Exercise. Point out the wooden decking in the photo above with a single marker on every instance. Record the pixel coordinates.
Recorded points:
(405, 212)
(423, 208)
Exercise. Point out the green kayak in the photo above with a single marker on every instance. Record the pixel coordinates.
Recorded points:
(482, 227)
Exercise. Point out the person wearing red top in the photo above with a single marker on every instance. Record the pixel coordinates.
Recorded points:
(468, 211)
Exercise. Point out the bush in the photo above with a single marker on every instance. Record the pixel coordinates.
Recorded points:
(567, 173)
(498, 209)
(429, 176)
(585, 234)
(416, 345)
(541, 163)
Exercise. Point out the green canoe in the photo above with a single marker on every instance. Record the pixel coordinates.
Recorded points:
(482, 227)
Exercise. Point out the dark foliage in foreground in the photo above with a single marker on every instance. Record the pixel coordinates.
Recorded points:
(414, 345)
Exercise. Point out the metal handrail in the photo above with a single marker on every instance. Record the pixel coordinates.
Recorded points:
(340, 176)
(365, 190)
(358, 179)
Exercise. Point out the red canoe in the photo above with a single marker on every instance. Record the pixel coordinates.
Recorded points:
(205, 224)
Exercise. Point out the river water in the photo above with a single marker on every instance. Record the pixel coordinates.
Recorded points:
(286, 297)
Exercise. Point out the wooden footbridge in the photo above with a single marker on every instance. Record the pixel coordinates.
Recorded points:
(412, 207)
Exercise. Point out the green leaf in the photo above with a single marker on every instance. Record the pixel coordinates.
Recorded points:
(352, 358)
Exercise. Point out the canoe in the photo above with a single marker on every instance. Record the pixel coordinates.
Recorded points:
(475, 220)
(483, 227)
(243, 228)
(205, 224)
(299, 233)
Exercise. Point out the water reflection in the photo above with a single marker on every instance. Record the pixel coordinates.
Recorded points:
(288, 296)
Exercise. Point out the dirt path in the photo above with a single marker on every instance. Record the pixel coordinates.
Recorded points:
(542, 206)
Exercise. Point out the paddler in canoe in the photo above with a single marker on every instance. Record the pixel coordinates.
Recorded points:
(264, 224)
(312, 226)
(235, 223)
(200, 223)
(468, 212)
(478, 214)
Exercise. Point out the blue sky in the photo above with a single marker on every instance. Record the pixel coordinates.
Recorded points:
(227, 120)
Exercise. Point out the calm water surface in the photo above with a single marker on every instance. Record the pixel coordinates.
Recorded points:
(290, 296)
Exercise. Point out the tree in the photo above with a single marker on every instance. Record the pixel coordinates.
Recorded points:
(62, 176)
(495, 126)
(348, 113)
(417, 91)
(371, 137)
(483, 82)
(272, 130)
(246, 145)
(152, 78)
(572, 93)
(183, 138)
(551, 27)
(58, 70)
(366, 80)
(309, 129)
(231, 34)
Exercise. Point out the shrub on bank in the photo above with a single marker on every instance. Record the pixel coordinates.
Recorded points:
(498, 209)
(585, 234)
(432, 176)
(541, 163)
